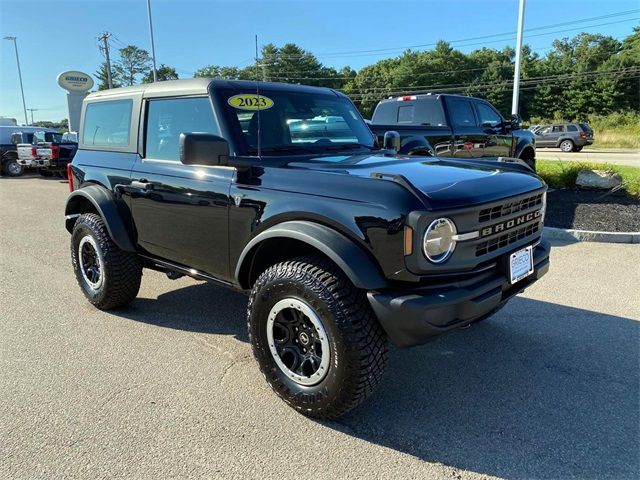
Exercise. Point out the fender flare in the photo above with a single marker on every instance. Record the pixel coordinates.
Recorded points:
(106, 205)
(349, 257)
(413, 144)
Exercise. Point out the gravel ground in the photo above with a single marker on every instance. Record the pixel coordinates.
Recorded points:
(588, 210)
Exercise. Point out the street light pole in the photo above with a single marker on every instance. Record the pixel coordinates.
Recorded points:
(516, 73)
(24, 105)
(153, 47)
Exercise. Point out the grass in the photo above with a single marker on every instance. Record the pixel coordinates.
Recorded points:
(559, 174)
(618, 138)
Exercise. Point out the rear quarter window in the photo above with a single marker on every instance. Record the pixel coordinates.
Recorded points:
(572, 128)
(424, 111)
(107, 124)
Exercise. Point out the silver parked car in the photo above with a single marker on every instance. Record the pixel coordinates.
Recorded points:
(569, 137)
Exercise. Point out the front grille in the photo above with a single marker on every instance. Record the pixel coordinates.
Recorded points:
(506, 239)
(509, 208)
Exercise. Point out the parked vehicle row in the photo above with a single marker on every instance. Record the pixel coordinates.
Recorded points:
(34, 147)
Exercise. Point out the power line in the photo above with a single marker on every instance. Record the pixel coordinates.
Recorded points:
(550, 79)
(483, 37)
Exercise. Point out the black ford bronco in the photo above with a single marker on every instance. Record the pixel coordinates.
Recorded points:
(282, 191)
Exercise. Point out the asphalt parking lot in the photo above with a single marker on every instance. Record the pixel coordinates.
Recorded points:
(548, 388)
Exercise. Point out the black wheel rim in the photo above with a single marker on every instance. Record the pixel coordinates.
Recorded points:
(298, 341)
(90, 262)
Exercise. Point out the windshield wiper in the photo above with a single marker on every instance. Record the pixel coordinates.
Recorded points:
(283, 148)
(349, 146)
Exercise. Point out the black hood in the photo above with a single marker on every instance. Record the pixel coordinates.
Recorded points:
(441, 182)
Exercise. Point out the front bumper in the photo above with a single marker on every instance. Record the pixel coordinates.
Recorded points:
(412, 317)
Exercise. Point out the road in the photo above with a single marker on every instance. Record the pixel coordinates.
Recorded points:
(629, 158)
(548, 388)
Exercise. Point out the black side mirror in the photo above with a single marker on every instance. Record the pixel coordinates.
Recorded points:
(516, 121)
(391, 141)
(203, 149)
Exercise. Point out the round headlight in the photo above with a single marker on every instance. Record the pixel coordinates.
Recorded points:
(439, 242)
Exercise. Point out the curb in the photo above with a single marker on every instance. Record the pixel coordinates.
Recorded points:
(590, 236)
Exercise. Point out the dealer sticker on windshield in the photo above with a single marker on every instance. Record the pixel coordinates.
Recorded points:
(521, 264)
(250, 101)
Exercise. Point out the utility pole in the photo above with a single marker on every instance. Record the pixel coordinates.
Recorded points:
(24, 105)
(105, 39)
(516, 74)
(32, 110)
(153, 47)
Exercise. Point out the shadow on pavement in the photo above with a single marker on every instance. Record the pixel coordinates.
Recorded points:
(539, 391)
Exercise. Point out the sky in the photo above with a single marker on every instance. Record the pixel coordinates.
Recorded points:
(60, 35)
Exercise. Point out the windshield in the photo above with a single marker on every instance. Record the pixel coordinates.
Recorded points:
(47, 137)
(295, 122)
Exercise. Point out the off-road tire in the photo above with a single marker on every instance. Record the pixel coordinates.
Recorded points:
(357, 342)
(122, 270)
(568, 146)
(11, 167)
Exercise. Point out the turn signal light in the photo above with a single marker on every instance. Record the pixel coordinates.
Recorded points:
(408, 240)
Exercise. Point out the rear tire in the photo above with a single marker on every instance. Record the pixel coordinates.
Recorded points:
(309, 302)
(109, 277)
(567, 146)
(12, 168)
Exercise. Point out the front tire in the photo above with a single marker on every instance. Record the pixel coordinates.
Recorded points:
(109, 277)
(12, 168)
(315, 337)
(566, 146)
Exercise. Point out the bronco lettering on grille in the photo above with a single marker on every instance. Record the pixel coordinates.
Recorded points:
(514, 222)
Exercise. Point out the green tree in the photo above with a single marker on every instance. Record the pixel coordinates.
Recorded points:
(216, 71)
(133, 63)
(103, 82)
(163, 73)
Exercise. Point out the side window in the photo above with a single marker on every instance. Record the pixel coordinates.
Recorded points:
(462, 113)
(544, 130)
(487, 115)
(168, 118)
(558, 129)
(107, 123)
(572, 128)
(385, 113)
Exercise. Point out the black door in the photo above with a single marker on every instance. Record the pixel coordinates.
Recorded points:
(180, 212)
(498, 140)
(468, 137)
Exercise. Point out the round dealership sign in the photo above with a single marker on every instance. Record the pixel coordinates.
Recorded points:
(75, 81)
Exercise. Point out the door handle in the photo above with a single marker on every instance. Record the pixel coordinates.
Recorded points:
(142, 185)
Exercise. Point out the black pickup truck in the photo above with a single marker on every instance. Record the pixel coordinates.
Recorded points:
(340, 245)
(446, 125)
(52, 153)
